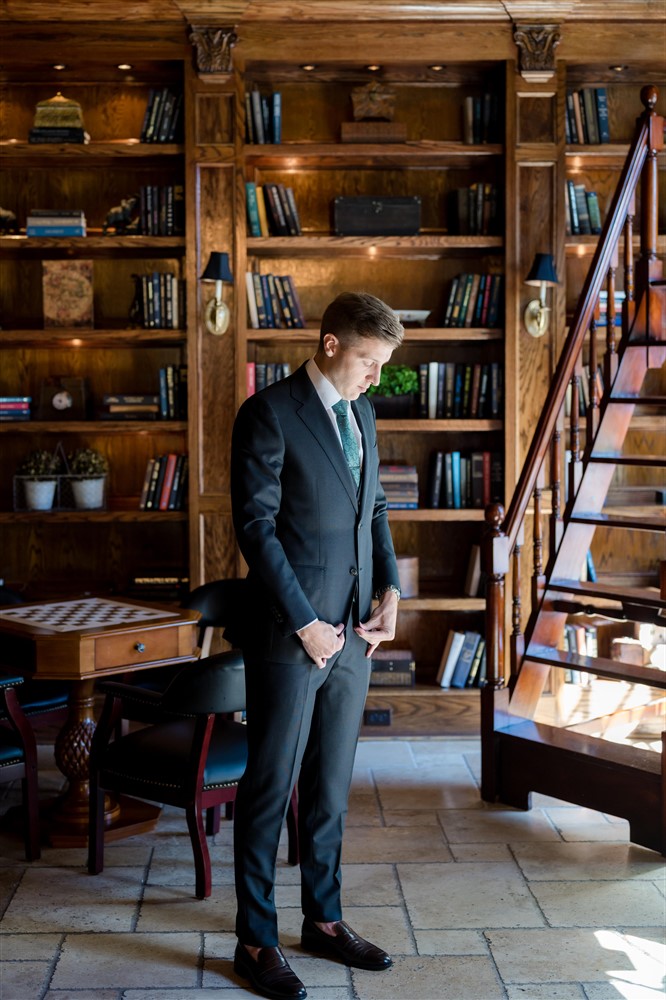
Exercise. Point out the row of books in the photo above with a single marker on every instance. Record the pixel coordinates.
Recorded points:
(452, 390)
(173, 392)
(271, 210)
(161, 209)
(273, 302)
(583, 214)
(475, 300)
(474, 210)
(482, 121)
(56, 222)
(586, 120)
(463, 482)
(401, 486)
(14, 408)
(259, 374)
(58, 134)
(263, 117)
(159, 301)
(463, 662)
(163, 117)
(165, 483)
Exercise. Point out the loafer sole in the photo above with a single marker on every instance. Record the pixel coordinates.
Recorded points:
(321, 948)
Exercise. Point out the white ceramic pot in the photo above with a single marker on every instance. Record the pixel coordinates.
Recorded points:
(88, 493)
(39, 493)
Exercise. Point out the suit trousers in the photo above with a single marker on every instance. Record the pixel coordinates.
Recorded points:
(298, 716)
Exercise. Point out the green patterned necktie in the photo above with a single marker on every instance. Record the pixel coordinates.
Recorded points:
(349, 443)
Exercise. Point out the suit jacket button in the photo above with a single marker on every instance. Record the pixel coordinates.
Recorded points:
(353, 571)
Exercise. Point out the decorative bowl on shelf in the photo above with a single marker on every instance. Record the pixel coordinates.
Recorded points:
(412, 317)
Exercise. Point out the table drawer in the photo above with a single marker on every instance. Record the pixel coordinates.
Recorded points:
(132, 648)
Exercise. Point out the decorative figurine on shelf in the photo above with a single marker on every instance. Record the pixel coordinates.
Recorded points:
(7, 222)
(374, 108)
(123, 218)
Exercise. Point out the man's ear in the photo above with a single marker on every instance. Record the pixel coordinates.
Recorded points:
(331, 345)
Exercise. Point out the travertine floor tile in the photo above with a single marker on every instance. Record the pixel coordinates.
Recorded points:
(495, 825)
(431, 978)
(481, 852)
(396, 843)
(586, 824)
(570, 862)
(445, 787)
(179, 870)
(219, 945)
(83, 995)
(29, 947)
(554, 955)
(471, 895)
(312, 972)
(124, 961)
(23, 980)
(364, 810)
(549, 991)
(430, 752)
(71, 900)
(172, 908)
(383, 753)
(622, 988)
(9, 879)
(450, 943)
(411, 817)
(590, 904)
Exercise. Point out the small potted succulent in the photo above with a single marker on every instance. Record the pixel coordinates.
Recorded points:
(87, 471)
(37, 476)
(396, 393)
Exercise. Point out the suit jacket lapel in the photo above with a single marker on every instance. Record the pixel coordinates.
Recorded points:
(317, 421)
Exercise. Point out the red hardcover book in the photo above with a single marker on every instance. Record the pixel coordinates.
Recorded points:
(487, 492)
(167, 482)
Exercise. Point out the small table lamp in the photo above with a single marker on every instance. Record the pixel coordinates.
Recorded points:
(217, 269)
(542, 273)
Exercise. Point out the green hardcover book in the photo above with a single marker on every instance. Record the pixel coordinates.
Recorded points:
(252, 208)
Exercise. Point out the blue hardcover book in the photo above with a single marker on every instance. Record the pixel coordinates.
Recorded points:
(252, 208)
(448, 481)
(602, 113)
(458, 391)
(277, 117)
(268, 305)
(58, 231)
(463, 665)
(164, 404)
(456, 480)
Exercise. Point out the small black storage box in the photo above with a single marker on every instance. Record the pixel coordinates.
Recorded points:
(376, 216)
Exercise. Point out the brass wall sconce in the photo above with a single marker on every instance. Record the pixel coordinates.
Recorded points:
(216, 316)
(543, 275)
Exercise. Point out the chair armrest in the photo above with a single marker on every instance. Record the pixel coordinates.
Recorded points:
(10, 682)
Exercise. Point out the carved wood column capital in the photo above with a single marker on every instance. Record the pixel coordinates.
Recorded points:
(536, 50)
(213, 47)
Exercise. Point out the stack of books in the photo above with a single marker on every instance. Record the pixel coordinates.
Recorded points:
(586, 120)
(259, 374)
(59, 222)
(271, 210)
(475, 300)
(583, 213)
(165, 483)
(15, 408)
(162, 121)
(161, 300)
(173, 392)
(474, 210)
(463, 662)
(401, 486)
(273, 302)
(161, 209)
(482, 120)
(263, 117)
(460, 482)
(451, 390)
(128, 406)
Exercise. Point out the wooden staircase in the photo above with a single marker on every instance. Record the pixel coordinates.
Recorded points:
(588, 757)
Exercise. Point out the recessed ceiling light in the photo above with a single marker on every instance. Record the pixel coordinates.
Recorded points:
(59, 66)
(619, 68)
(124, 65)
(437, 67)
(308, 67)
(373, 67)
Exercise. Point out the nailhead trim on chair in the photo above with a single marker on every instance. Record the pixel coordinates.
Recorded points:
(164, 784)
(21, 760)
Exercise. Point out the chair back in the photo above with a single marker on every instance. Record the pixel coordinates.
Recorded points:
(213, 685)
(222, 604)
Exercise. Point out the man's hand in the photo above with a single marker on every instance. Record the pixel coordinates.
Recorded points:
(321, 640)
(380, 626)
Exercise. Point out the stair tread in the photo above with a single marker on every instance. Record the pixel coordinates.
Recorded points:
(600, 665)
(655, 461)
(616, 521)
(644, 596)
(581, 743)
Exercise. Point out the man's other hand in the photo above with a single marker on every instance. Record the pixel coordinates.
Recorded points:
(321, 640)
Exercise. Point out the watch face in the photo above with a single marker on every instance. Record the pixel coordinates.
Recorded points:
(62, 400)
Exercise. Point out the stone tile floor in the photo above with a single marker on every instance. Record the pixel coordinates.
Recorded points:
(474, 902)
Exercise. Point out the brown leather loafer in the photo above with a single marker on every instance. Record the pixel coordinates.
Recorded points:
(346, 945)
(270, 974)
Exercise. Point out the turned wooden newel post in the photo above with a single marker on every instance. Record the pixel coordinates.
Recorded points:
(517, 637)
(495, 564)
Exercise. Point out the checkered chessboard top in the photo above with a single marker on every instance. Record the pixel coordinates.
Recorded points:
(92, 612)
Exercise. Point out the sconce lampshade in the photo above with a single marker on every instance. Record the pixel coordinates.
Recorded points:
(217, 268)
(542, 270)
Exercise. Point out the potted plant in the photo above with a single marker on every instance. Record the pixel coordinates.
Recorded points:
(87, 471)
(396, 393)
(37, 475)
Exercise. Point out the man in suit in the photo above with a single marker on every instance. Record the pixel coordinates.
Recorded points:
(311, 520)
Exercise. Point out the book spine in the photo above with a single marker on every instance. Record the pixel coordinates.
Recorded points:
(252, 209)
(146, 484)
(55, 231)
(251, 300)
(601, 99)
(276, 119)
(257, 117)
(167, 482)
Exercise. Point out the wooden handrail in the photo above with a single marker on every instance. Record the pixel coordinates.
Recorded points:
(601, 262)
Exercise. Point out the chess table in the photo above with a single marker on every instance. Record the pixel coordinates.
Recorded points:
(80, 641)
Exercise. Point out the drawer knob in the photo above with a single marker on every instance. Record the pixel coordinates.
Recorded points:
(140, 647)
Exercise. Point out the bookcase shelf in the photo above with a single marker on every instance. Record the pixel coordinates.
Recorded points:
(33, 154)
(101, 427)
(420, 335)
(433, 426)
(416, 153)
(110, 516)
(436, 514)
(95, 338)
(92, 246)
(326, 245)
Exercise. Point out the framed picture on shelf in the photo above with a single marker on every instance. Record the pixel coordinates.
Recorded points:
(62, 398)
(67, 288)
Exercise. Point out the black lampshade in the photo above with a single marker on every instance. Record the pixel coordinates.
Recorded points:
(543, 269)
(217, 268)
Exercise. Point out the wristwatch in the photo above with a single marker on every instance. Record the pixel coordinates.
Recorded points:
(384, 590)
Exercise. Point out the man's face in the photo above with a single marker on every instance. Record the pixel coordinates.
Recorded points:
(352, 370)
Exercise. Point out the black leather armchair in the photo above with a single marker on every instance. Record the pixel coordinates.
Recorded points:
(18, 760)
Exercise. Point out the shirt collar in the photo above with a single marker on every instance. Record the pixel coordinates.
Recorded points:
(325, 389)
